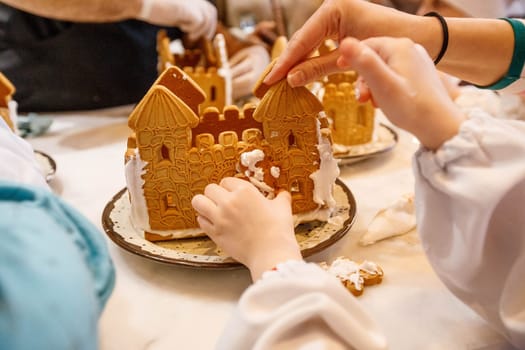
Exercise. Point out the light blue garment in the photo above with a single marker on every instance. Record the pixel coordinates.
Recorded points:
(55, 272)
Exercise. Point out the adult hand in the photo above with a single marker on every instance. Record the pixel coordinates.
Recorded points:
(197, 18)
(405, 85)
(256, 231)
(246, 67)
(335, 19)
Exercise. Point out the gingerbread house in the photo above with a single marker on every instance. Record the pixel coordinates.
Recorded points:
(206, 64)
(175, 151)
(352, 122)
(6, 103)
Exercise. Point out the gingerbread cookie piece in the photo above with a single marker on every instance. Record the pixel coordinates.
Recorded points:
(354, 276)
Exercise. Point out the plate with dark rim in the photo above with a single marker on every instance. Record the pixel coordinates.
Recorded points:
(385, 139)
(47, 165)
(202, 252)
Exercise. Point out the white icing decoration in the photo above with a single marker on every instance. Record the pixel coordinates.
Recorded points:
(134, 170)
(176, 47)
(12, 106)
(254, 173)
(183, 233)
(275, 172)
(249, 159)
(357, 280)
(321, 214)
(328, 171)
(369, 267)
(349, 270)
(343, 267)
(394, 220)
(259, 174)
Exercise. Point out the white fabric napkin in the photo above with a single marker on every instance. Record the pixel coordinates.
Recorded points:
(394, 220)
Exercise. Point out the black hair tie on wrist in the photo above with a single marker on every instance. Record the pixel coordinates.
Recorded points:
(444, 26)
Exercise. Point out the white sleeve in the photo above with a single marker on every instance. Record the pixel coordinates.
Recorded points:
(300, 305)
(471, 218)
(17, 159)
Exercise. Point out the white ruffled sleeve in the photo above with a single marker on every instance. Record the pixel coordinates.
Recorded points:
(300, 306)
(471, 218)
(18, 159)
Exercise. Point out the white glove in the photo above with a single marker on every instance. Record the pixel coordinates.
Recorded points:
(196, 18)
(20, 164)
(246, 67)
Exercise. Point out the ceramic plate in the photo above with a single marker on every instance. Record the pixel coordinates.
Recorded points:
(202, 252)
(47, 165)
(385, 139)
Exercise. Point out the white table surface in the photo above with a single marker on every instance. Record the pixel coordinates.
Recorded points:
(159, 306)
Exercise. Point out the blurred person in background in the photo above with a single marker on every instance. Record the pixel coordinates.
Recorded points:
(56, 274)
(64, 55)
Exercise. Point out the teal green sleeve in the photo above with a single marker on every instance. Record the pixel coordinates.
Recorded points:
(518, 57)
(55, 272)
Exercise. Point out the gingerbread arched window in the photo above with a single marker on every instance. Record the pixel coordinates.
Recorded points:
(292, 141)
(169, 206)
(164, 154)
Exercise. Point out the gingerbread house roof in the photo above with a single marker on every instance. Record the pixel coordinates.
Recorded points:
(181, 85)
(161, 108)
(260, 88)
(281, 100)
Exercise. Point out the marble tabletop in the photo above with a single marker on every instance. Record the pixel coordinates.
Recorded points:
(159, 306)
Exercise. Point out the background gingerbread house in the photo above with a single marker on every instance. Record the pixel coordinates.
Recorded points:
(352, 122)
(206, 64)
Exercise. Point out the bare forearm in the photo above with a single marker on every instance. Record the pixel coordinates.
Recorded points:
(479, 50)
(80, 10)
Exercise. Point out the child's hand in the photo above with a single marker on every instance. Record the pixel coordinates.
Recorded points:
(255, 231)
(197, 18)
(406, 86)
